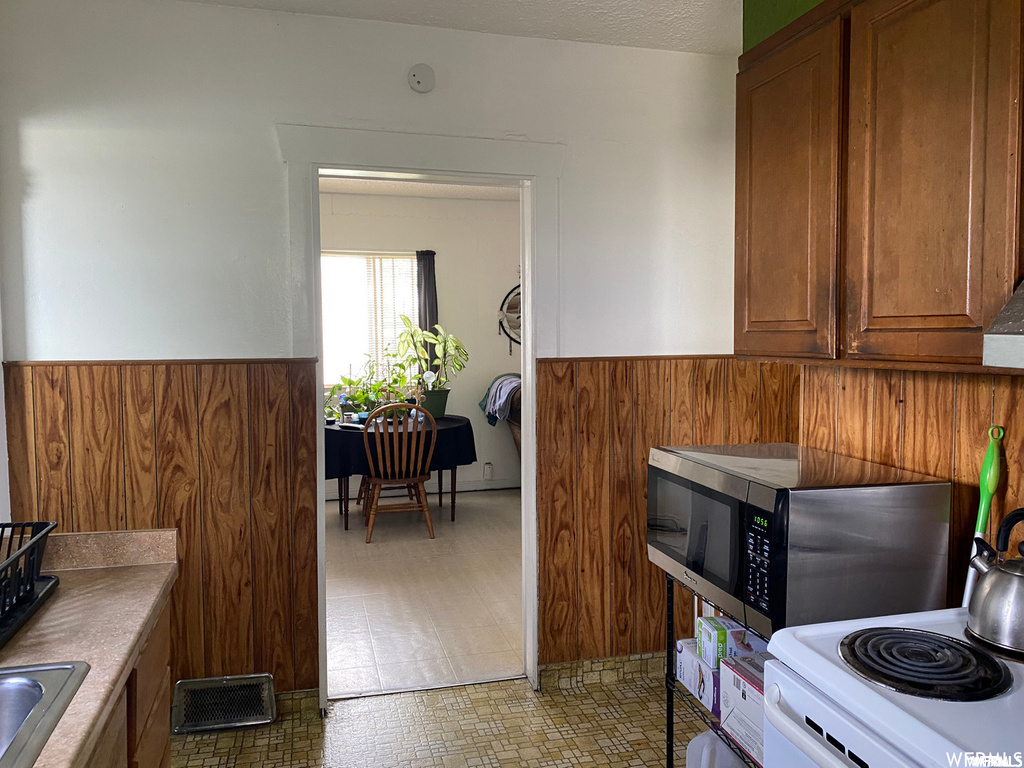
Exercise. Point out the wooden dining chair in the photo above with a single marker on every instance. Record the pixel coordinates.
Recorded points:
(399, 441)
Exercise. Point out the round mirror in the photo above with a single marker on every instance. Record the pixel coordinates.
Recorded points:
(510, 319)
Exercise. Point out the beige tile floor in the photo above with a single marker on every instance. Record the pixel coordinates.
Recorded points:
(407, 612)
(618, 725)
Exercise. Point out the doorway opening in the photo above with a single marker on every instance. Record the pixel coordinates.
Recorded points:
(405, 611)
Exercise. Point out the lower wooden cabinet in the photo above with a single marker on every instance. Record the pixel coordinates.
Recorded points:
(111, 749)
(138, 732)
(153, 745)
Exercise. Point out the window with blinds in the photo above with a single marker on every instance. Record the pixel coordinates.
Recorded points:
(364, 295)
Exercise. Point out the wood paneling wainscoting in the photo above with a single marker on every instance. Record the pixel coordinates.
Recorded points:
(597, 420)
(924, 421)
(224, 451)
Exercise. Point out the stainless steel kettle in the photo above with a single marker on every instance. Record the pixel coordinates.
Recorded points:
(996, 611)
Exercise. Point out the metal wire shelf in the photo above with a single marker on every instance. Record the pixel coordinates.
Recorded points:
(676, 692)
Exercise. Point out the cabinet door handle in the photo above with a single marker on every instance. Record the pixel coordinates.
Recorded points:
(796, 734)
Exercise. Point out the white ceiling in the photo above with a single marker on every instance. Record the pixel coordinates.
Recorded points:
(416, 189)
(697, 26)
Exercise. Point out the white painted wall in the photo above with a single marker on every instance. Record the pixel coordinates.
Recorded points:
(143, 208)
(477, 246)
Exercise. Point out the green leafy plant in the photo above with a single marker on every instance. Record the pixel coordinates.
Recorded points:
(450, 356)
(415, 362)
(412, 344)
(388, 382)
(446, 354)
(332, 404)
(357, 393)
(398, 375)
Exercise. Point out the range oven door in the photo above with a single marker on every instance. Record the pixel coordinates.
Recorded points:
(804, 728)
(696, 529)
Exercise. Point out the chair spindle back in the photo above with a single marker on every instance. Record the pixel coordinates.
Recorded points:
(399, 441)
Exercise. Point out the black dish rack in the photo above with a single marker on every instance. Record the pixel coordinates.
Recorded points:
(22, 589)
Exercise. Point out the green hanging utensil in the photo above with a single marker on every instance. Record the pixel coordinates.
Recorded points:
(989, 479)
(987, 483)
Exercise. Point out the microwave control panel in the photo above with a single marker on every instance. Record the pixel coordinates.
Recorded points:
(758, 557)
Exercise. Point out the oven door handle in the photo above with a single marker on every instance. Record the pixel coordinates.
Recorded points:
(796, 734)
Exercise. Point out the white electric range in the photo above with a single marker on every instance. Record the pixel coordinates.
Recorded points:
(819, 711)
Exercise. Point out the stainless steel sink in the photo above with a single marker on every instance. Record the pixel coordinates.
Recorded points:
(32, 700)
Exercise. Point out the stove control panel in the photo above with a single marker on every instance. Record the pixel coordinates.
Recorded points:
(758, 558)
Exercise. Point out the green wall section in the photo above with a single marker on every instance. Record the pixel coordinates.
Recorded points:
(762, 18)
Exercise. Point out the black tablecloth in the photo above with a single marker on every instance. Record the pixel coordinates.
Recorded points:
(345, 455)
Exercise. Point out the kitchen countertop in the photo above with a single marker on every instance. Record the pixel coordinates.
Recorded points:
(98, 615)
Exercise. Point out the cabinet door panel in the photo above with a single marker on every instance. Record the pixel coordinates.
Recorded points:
(111, 750)
(788, 110)
(933, 175)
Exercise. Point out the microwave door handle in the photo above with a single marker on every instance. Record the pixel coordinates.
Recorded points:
(796, 734)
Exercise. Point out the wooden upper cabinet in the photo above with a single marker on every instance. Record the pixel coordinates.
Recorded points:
(788, 112)
(931, 251)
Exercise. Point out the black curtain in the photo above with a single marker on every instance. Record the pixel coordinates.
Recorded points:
(427, 285)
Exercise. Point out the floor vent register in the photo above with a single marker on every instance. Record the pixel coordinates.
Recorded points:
(222, 703)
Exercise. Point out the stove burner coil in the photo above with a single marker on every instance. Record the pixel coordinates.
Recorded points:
(926, 664)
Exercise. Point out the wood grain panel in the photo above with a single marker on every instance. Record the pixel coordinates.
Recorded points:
(271, 521)
(681, 430)
(709, 401)
(304, 420)
(887, 418)
(621, 570)
(927, 423)
(1007, 402)
(795, 393)
(682, 434)
(818, 405)
(774, 403)
(974, 404)
(556, 504)
(21, 443)
(140, 477)
(223, 488)
(121, 443)
(593, 423)
(855, 395)
(177, 436)
(651, 402)
(97, 447)
(742, 402)
(653, 405)
(53, 445)
(1008, 405)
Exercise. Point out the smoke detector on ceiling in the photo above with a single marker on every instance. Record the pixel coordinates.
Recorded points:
(421, 78)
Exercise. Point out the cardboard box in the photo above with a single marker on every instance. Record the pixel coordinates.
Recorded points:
(719, 638)
(697, 676)
(742, 701)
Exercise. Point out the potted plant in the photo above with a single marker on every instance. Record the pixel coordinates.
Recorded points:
(359, 394)
(440, 364)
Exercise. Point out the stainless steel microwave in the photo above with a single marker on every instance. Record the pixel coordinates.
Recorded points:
(779, 535)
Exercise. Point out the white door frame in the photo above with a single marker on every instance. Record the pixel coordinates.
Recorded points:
(381, 154)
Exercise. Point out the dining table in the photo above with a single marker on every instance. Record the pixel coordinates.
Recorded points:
(345, 455)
